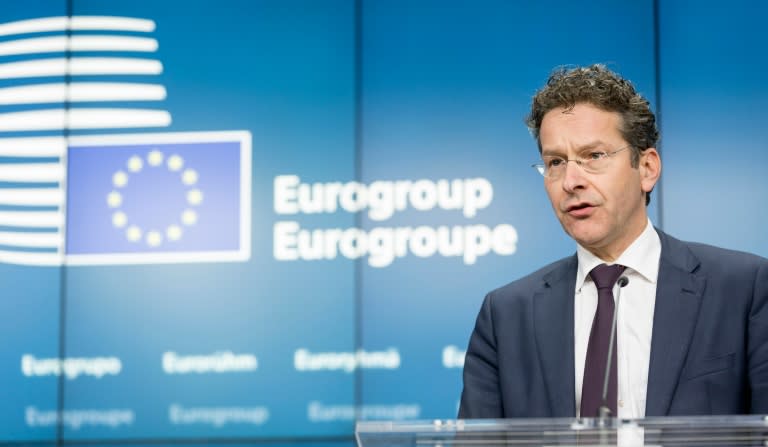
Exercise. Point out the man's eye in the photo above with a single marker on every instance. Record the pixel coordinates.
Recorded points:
(555, 162)
(596, 155)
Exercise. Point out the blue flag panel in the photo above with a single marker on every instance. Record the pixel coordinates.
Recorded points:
(158, 201)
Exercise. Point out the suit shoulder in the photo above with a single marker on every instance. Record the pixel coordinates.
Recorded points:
(533, 281)
(711, 252)
(723, 259)
(729, 264)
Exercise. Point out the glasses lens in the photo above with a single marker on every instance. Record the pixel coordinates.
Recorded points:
(597, 163)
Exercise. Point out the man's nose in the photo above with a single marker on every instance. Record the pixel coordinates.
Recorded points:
(573, 177)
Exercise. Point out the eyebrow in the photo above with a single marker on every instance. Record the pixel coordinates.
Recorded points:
(578, 150)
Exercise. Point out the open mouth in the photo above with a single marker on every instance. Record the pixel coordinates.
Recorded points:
(579, 206)
(580, 209)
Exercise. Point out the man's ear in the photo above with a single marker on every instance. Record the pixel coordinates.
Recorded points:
(650, 168)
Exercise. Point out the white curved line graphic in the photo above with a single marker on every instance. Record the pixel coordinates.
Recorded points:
(31, 219)
(32, 197)
(78, 43)
(34, 26)
(22, 239)
(114, 65)
(81, 91)
(113, 23)
(113, 43)
(44, 24)
(91, 118)
(40, 259)
(31, 172)
(80, 66)
(30, 69)
(33, 147)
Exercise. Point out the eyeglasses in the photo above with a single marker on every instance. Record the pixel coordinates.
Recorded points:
(595, 162)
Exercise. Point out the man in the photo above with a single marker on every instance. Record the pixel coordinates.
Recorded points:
(692, 331)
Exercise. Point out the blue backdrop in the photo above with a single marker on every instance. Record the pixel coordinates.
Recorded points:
(352, 178)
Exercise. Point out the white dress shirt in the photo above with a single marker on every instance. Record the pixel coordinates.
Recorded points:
(635, 319)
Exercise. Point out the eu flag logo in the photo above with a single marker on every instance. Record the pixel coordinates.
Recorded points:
(109, 199)
(157, 198)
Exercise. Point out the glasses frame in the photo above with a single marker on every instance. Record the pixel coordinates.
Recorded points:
(541, 168)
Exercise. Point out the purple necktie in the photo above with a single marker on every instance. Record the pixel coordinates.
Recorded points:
(604, 276)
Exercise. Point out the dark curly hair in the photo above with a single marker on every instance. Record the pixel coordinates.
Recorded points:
(604, 89)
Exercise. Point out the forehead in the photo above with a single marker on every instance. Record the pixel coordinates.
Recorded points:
(579, 126)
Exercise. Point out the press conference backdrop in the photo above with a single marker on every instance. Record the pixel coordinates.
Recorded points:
(263, 220)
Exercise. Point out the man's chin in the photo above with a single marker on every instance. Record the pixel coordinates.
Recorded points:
(587, 239)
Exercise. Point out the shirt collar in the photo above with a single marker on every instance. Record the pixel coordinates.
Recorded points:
(642, 256)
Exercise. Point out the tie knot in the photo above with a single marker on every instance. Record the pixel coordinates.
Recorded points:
(605, 276)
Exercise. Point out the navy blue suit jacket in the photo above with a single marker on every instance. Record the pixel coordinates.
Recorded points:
(709, 347)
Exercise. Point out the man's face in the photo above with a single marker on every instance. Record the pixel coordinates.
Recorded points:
(604, 212)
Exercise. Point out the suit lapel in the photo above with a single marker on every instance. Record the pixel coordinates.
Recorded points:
(678, 298)
(553, 328)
